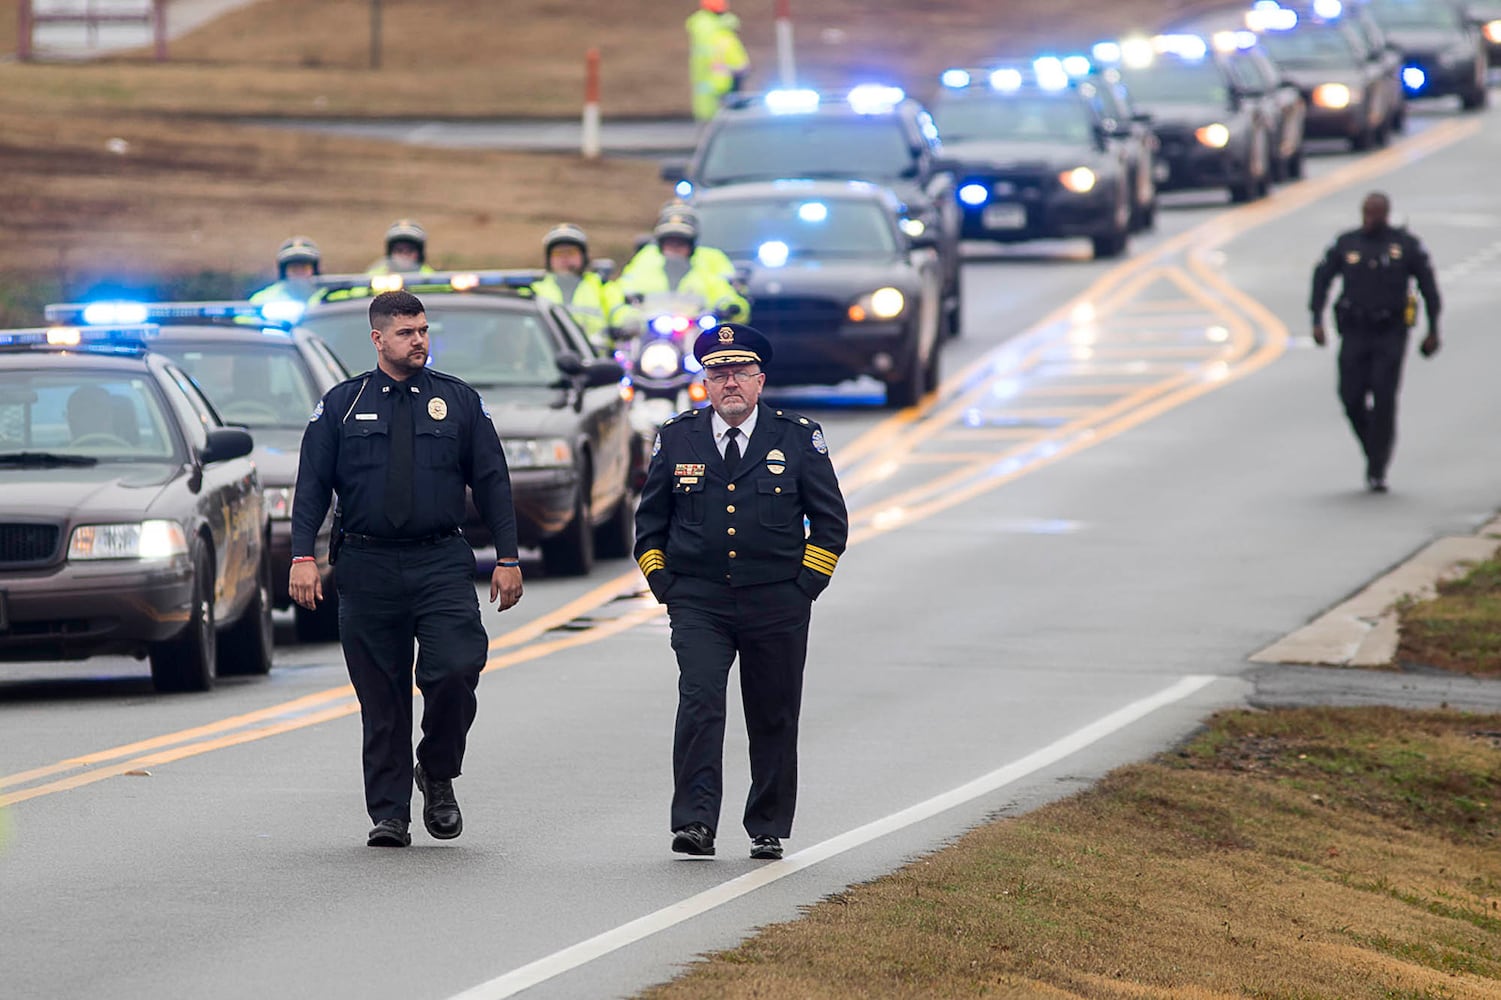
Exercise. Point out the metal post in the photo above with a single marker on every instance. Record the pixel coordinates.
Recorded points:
(23, 33)
(159, 28)
(590, 144)
(786, 68)
(375, 45)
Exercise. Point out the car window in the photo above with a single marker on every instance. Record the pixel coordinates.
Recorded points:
(574, 338)
(250, 384)
(1176, 81)
(1311, 48)
(324, 357)
(104, 415)
(804, 227)
(963, 117)
(1415, 14)
(871, 148)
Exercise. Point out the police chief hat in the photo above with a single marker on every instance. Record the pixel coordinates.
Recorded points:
(732, 344)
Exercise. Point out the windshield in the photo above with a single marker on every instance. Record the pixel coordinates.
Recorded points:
(869, 148)
(1311, 48)
(503, 346)
(111, 416)
(1415, 14)
(807, 227)
(1172, 81)
(1017, 118)
(250, 384)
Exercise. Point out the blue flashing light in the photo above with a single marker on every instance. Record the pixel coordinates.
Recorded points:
(691, 363)
(1328, 9)
(773, 253)
(791, 102)
(707, 321)
(813, 211)
(1006, 79)
(102, 313)
(663, 325)
(683, 189)
(136, 313)
(1050, 73)
(955, 78)
(1075, 65)
(1268, 15)
(1413, 78)
(120, 335)
(1190, 47)
(875, 98)
(927, 126)
(284, 310)
(974, 195)
(1106, 52)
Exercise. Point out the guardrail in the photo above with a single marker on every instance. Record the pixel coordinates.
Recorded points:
(92, 14)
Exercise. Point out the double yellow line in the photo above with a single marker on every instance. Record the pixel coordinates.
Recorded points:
(868, 459)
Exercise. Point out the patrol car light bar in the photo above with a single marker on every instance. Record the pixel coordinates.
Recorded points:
(863, 99)
(120, 313)
(457, 281)
(1046, 72)
(73, 336)
(1268, 15)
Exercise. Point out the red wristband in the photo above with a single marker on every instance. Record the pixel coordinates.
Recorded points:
(303, 559)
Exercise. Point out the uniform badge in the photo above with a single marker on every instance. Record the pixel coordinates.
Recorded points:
(776, 462)
(1395, 253)
(656, 445)
(317, 412)
(818, 443)
(1353, 257)
(436, 408)
(726, 335)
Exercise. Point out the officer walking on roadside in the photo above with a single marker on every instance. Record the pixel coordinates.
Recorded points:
(721, 540)
(1376, 265)
(398, 445)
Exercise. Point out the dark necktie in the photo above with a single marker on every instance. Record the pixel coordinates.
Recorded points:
(399, 463)
(732, 451)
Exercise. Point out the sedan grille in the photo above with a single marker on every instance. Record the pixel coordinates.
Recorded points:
(795, 312)
(25, 544)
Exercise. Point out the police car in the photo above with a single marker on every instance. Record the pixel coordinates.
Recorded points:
(841, 290)
(131, 516)
(1215, 121)
(1443, 51)
(562, 410)
(266, 377)
(1486, 16)
(871, 132)
(1126, 127)
(1032, 158)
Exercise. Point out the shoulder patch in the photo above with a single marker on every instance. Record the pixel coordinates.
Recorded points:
(484, 409)
(819, 445)
(317, 412)
(656, 446)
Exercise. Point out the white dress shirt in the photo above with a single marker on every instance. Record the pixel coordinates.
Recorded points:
(718, 425)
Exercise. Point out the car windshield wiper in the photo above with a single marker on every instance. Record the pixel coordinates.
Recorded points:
(45, 458)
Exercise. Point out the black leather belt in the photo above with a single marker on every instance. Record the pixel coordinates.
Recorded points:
(377, 541)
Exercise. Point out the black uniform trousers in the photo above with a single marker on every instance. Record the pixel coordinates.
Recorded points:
(389, 595)
(1370, 374)
(767, 625)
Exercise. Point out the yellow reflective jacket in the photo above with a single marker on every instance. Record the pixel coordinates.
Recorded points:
(594, 302)
(646, 274)
(715, 58)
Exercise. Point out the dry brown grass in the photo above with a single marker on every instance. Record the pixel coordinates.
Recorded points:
(1460, 630)
(1310, 853)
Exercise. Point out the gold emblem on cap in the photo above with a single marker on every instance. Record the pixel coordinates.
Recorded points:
(726, 335)
(436, 408)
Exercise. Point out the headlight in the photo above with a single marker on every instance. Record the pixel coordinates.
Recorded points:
(537, 453)
(883, 303)
(1214, 136)
(279, 503)
(660, 360)
(146, 540)
(1332, 95)
(1079, 180)
(1492, 31)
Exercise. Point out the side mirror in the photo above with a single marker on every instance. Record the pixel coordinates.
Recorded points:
(674, 170)
(570, 364)
(225, 443)
(603, 371)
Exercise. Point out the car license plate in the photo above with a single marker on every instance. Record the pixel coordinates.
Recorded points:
(1005, 217)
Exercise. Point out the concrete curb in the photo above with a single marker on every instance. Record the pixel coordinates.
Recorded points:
(1362, 631)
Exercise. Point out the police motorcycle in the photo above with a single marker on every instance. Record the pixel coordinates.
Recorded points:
(657, 333)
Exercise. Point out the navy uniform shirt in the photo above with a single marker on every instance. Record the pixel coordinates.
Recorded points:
(694, 520)
(345, 450)
(1374, 271)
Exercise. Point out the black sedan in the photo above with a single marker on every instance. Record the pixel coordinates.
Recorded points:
(1443, 52)
(1128, 128)
(1032, 159)
(131, 516)
(839, 287)
(268, 382)
(562, 411)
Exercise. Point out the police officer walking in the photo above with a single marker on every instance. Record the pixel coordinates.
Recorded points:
(1376, 265)
(721, 540)
(398, 445)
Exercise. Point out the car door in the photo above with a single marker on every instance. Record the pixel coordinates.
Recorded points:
(603, 416)
(1287, 101)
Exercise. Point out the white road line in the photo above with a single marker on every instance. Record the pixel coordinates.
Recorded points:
(572, 957)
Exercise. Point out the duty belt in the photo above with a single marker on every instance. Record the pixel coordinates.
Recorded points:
(376, 541)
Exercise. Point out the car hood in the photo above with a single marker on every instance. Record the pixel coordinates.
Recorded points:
(836, 278)
(109, 491)
(277, 451)
(1038, 156)
(1424, 40)
(529, 411)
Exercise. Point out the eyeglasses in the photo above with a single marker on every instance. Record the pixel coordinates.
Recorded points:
(721, 378)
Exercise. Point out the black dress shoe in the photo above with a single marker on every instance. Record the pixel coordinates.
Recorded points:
(695, 839)
(389, 833)
(440, 810)
(765, 848)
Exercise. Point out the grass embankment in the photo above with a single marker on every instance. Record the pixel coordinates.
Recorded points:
(1460, 630)
(191, 192)
(1297, 853)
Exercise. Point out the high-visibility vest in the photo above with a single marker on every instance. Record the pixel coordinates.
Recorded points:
(715, 57)
(592, 304)
(708, 258)
(650, 277)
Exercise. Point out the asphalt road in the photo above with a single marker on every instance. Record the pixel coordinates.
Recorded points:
(1135, 476)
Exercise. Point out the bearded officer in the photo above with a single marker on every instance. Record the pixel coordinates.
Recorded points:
(720, 537)
(399, 444)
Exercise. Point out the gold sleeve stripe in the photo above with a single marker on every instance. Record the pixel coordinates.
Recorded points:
(814, 550)
(818, 564)
(652, 560)
(814, 557)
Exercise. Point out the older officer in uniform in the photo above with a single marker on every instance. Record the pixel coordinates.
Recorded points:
(1376, 265)
(720, 537)
(399, 444)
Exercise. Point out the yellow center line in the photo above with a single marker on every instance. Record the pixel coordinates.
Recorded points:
(1152, 400)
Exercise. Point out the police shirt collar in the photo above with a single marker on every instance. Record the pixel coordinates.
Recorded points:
(719, 426)
(416, 383)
